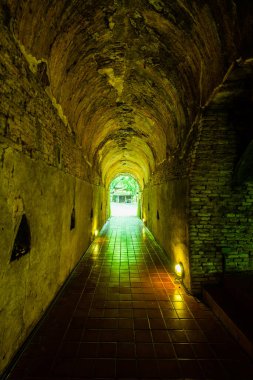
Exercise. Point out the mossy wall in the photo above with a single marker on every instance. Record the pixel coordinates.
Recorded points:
(44, 176)
(164, 210)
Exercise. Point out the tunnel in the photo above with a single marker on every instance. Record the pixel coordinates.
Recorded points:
(160, 91)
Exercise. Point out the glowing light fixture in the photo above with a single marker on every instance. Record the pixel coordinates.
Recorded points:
(179, 269)
(96, 233)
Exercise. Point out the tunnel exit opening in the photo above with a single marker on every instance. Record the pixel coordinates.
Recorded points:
(124, 196)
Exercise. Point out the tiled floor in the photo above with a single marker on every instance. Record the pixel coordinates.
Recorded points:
(122, 317)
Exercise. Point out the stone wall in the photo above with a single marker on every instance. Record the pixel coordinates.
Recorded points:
(220, 212)
(44, 176)
(165, 205)
(198, 204)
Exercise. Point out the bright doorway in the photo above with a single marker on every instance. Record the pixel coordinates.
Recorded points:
(124, 196)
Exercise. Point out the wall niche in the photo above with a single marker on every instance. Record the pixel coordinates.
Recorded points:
(73, 219)
(22, 242)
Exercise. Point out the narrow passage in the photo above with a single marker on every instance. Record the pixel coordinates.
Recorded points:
(121, 316)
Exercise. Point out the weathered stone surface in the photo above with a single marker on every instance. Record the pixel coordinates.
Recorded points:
(124, 70)
(46, 196)
(165, 213)
(92, 89)
(220, 205)
(43, 175)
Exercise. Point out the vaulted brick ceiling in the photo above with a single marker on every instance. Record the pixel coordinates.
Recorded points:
(130, 75)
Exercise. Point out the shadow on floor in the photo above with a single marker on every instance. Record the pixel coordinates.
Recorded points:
(232, 303)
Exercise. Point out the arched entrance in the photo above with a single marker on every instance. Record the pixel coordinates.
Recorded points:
(124, 196)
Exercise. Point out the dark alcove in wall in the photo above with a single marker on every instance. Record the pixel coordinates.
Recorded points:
(73, 219)
(22, 243)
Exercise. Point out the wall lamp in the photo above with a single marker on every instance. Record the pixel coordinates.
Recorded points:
(179, 270)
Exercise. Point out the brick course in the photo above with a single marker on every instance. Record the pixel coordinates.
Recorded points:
(220, 212)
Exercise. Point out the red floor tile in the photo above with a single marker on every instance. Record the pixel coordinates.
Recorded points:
(191, 369)
(126, 368)
(164, 350)
(126, 350)
(141, 324)
(195, 336)
(90, 336)
(160, 336)
(122, 317)
(104, 368)
(145, 350)
(183, 350)
(107, 350)
(88, 350)
(203, 350)
(157, 324)
(169, 369)
(84, 368)
(143, 336)
(178, 336)
(147, 368)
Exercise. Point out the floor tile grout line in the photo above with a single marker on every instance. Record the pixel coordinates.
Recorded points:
(81, 294)
(156, 285)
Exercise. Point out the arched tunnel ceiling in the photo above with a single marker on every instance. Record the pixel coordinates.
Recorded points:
(130, 75)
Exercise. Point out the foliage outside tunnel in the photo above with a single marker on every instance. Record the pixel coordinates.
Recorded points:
(124, 196)
(124, 189)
